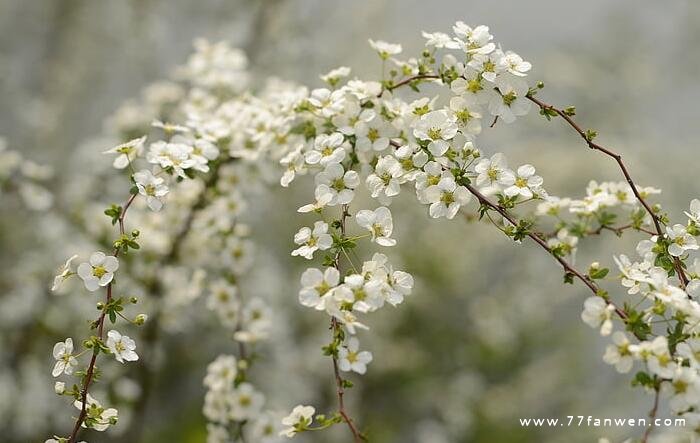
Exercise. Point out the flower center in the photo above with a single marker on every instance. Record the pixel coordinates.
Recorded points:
(434, 133)
(373, 134)
(99, 271)
(474, 86)
(338, 184)
(447, 198)
(509, 98)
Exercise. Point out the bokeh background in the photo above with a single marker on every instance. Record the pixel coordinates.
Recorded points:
(490, 334)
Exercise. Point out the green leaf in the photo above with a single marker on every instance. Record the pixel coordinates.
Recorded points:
(598, 273)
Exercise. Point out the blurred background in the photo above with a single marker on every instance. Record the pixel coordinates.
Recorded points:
(490, 333)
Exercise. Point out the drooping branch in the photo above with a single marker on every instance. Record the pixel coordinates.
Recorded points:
(568, 267)
(588, 139)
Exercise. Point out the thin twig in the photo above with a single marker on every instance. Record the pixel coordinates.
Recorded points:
(625, 172)
(89, 374)
(335, 326)
(652, 416)
(565, 264)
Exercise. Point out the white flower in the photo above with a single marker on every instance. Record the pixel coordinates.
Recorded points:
(334, 76)
(171, 156)
(564, 243)
(265, 428)
(256, 321)
(511, 101)
(446, 198)
(97, 417)
(338, 183)
(379, 223)
(245, 402)
(691, 351)
(694, 214)
(526, 183)
(323, 196)
(476, 40)
(658, 357)
(684, 389)
(514, 64)
(294, 163)
(222, 296)
(438, 127)
(328, 102)
(681, 241)
(127, 152)
(217, 433)
(468, 115)
(152, 187)
(312, 240)
(488, 65)
(327, 149)
(64, 273)
(384, 49)
(350, 358)
(353, 117)
(203, 151)
(619, 354)
(221, 373)
(348, 319)
(316, 285)
(300, 418)
(386, 180)
(553, 206)
(439, 40)
(473, 87)
(374, 134)
(597, 313)
(493, 174)
(121, 346)
(65, 362)
(99, 271)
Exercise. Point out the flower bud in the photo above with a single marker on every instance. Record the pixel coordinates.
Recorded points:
(140, 319)
(59, 387)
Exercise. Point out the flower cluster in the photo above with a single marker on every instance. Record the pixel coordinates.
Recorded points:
(232, 403)
(357, 132)
(365, 144)
(669, 355)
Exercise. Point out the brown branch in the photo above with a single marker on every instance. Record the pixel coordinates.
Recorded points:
(652, 415)
(409, 80)
(100, 333)
(625, 172)
(565, 264)
(335, 326)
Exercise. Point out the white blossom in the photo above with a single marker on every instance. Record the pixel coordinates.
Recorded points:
(350, 358)
(379, 223)
(312, 240)
(121, 346)
(99, 271)
(152, 187)
(65, 361)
